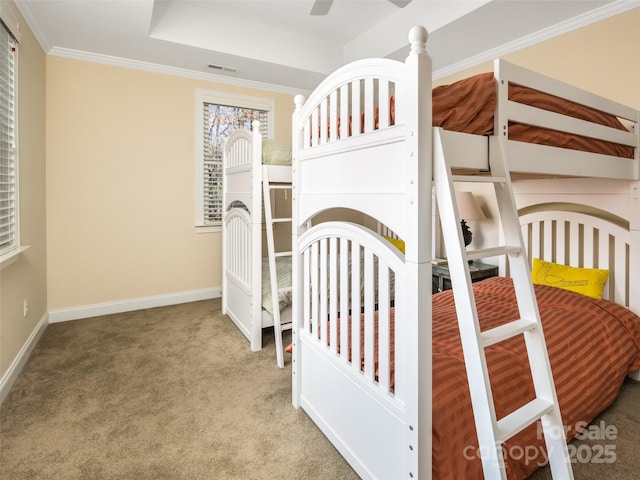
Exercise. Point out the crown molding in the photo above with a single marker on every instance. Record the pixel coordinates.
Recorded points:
(167, 70)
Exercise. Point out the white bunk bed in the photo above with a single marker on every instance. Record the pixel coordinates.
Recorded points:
(354, 150)
(249, 260)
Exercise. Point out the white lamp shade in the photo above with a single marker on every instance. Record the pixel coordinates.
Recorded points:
(468, 207)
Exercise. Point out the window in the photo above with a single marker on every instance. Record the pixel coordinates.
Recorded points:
(218, 115)
(9, 231)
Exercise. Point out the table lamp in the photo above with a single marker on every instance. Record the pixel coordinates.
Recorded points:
(468, 209)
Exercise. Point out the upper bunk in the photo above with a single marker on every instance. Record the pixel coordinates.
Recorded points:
(248, 160)
(364, 133)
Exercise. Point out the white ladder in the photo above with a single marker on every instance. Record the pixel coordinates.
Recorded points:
(492, 432)
(278, 327)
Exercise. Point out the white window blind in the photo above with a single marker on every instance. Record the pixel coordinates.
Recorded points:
(8, 160)
(219, 121)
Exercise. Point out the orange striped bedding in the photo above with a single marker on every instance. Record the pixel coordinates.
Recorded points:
(593, 345)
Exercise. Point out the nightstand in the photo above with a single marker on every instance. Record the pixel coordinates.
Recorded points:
(478, 271)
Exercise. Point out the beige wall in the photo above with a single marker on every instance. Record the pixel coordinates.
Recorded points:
(121, 184)
(25, 278)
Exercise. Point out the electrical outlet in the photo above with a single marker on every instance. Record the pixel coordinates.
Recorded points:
(25, 308)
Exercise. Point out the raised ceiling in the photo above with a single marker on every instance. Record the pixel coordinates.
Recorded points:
(278, 43)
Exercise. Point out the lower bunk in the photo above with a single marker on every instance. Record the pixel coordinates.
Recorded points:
(355, 390)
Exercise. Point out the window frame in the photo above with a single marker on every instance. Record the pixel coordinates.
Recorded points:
(9, 253)
(228, 99)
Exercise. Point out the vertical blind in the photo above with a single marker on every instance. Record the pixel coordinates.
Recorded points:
(8, 177)
(219, 122)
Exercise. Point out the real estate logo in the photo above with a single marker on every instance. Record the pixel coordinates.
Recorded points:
(599, 449)
(591, 452)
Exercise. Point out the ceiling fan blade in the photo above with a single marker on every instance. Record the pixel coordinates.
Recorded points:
(321, 7)
(400, 3)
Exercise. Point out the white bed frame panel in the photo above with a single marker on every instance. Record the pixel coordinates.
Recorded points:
(242, 233)
(386, 173)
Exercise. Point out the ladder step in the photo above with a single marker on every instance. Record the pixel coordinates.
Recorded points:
(506, 331)
(523, 417)
(493, 252)
(280, 186)
(282, 254)
(478, 178)
(285, 290)
(280, 220)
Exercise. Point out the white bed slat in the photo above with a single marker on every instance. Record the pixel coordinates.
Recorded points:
(536, 246)
(307, 268)
(369, 301)
(369, 105)
(324, 120)
(314, 290)
(333, 116)
(344, 299)
(621, 293)
(333, 295)
(322, 321)
(574, 244)
(561, 250)
(590, 235)
(603, 250)
(356, 109)
(306, 137)
(383, 102)
(355, 305)
(344, 111)
(314, 128)
(547, 243)
(384, 357)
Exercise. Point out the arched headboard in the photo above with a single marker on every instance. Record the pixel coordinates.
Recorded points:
(581, 236)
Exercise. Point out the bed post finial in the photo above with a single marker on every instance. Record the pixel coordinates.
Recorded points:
(299, 101)
(418, 36)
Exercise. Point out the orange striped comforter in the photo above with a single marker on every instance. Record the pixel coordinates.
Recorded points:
(592, 344)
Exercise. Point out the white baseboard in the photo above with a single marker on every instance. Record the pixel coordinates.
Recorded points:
(8, 379)
(76, 313)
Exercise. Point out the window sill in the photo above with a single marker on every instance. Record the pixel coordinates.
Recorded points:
(208, 228)
(10, 257)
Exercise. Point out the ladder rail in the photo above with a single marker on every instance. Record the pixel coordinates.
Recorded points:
(272, 256)
(536, 347)
(474, 356)
(491, 431)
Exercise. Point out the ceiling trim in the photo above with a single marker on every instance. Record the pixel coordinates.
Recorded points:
(583, 20)
(167, 70)
(25, 11)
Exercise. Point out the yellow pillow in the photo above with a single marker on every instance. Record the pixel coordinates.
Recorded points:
(397, 242)
(587, 281)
